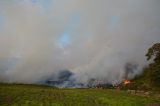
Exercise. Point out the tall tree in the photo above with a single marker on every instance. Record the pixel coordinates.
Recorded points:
(154, 51)
(154, 68)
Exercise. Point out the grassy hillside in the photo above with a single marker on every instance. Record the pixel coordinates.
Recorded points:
(150, 79)
(32, 95)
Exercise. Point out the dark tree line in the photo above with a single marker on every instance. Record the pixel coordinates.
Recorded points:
(150, 79)
(154, 68)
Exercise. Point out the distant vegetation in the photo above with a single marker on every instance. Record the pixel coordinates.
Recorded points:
(150, 79)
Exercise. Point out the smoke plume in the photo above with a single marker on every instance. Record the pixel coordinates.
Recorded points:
(93, 39)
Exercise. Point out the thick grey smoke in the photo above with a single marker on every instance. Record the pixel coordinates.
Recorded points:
(94, 39)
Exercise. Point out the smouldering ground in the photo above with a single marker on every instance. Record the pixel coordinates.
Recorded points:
(32, 95)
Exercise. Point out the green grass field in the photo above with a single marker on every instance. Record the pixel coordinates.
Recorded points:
(32, 95)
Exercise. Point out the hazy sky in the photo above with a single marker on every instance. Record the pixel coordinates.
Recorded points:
(91, 38)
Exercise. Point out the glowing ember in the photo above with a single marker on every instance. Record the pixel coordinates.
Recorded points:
(126, 82)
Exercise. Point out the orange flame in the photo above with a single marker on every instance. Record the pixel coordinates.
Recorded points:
(126, 82)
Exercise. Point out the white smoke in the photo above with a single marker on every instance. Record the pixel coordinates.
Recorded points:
(91, 38)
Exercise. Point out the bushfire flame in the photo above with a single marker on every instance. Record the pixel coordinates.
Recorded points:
(126, 82)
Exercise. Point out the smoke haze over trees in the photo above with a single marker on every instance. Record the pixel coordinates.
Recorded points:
(93, 39)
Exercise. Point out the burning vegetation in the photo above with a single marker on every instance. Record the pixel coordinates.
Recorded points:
(126, 82)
